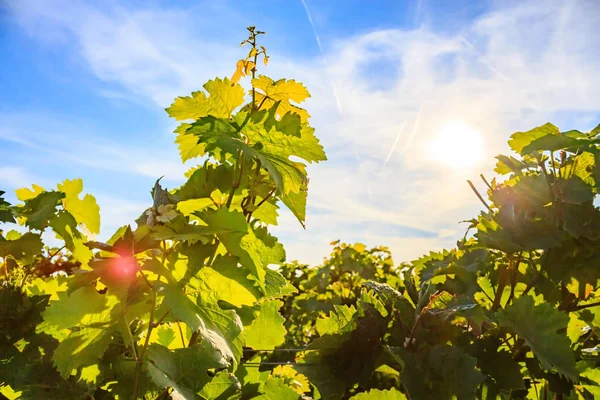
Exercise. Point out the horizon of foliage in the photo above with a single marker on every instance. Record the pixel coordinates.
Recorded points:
(188, 303)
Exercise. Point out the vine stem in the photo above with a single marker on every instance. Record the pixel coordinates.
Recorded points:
(584, 306)
(254, 71)
(502, 281)
(556, 171)
(140, 359)
(237, 176)
(485, 181)
(478, 195)
(513, 279)
(44, 262)
(135, 354)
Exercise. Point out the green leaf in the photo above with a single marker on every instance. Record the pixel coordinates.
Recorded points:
(296, 202)
(376, 394)
(553, 142)
(27, 245)
(40, 209)
(189, 107)
(500, 366)
(290, 124)
(508, 164)
(223, 386)
(187, 143)
(575, 191)
(266, 331)
(225, 281)
(6, 214)
(86, 210)
(276, 285)
(84, 306)
(276, 389)
(242, 242)
(185, 370)
(284, 91)
(87, 315)
(205, 180)
(81, 348)
(538, 326)
(519, 140)
(25, 194)
(440, 372)
(221, 329)
(224, 97)
(575, 328)
(267, 212)
(179, 230)
(65, 226)
(336, 321)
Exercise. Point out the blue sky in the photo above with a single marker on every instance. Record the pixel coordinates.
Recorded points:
(84, 84)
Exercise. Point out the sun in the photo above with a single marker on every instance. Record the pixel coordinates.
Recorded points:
(457, 145)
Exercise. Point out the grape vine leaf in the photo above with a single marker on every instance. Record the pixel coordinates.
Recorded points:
(90, 313)
(520, 140)
(222, 329)
(500, 366)
(276, 389)
(450, 374)
(25, 194)
(242, 242)
(538, 326)
(40, 209)
(187, 144)
(225, 281)
(224, 97)
(28, 244)
(6, 214)
(376, 394)
(276, 285)
(65, 226)
(185, 370)
(292, 378)
(85, 210)
(508, 164)
(266, 330)
(340, 317)
(284, 91)
(223, 385)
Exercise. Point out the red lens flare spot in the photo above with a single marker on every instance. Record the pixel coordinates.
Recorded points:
(124, 268)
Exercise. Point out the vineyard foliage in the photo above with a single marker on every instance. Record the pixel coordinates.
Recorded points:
(196, 301)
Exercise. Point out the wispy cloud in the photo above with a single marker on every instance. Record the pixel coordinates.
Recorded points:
(12, 177)
(514, 67)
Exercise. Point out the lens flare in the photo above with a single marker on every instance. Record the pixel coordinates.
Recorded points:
(124, 268)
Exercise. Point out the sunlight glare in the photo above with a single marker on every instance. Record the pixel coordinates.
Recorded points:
(457, 145)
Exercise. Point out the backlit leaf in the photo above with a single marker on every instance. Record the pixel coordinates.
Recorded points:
(266, 331)
(538, 326)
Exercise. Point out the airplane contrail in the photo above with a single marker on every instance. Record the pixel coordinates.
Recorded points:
(414, 130)
(394, 144)
(318, 39)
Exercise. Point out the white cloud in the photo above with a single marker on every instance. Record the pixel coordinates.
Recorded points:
(117, 211)
(76, 142)
(516, 66)
(12, 177)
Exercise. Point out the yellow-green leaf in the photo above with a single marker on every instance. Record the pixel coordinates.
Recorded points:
(86, 210)
(223, 97)
(283, 90)
(24, 194)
